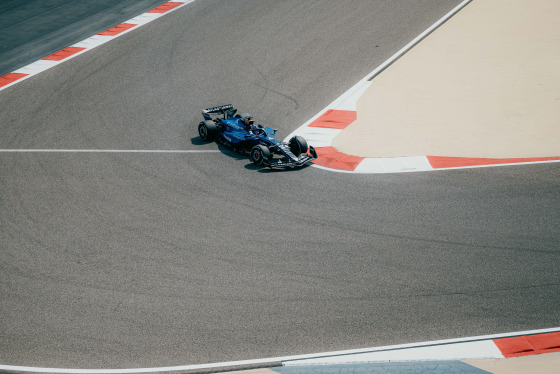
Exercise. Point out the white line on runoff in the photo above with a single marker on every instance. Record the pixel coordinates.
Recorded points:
(104, 151)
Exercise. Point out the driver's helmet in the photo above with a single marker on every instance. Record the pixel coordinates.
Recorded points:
(248, 121)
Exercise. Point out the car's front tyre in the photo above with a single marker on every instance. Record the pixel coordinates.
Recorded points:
(298, 145)
(260, 154)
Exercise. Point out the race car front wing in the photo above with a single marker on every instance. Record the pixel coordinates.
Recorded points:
(291, 162)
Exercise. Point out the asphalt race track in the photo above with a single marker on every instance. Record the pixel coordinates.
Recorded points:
(119, 260)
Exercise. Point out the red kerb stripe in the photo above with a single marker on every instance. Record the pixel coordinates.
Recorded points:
(331, 158)
(117, 29)
(335, 119)
(438, 162)
(65, 53)
(165, 7)
(529, 344)
(11, 77)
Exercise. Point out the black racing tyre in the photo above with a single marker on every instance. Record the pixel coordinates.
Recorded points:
(260, 154)
(298, 145)
(207, 130)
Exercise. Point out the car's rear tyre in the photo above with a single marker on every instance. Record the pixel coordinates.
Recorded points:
(298, 145)
(207, 130)
(260, 154)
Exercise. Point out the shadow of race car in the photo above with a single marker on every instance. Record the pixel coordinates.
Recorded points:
(238, 132)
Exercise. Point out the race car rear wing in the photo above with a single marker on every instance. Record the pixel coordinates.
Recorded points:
(226, 110)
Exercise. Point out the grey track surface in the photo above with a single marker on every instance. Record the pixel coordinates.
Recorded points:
(142, 260)
(33, 29)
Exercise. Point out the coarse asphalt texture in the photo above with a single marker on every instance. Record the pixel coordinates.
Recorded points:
(117, 260)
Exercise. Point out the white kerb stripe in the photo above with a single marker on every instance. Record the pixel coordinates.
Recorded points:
(106, 151)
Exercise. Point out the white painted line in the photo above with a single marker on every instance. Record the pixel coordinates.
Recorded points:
(36, 67)
(106, 151)
(94, 41)
(144, 18)
(471, 344)
(319, 136)
(483, 349)
(458, 344)
(333, 170)
(348, 101)
(417, 40)
(245, 363)
(393, 165)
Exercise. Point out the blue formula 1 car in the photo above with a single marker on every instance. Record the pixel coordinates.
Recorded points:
(239, 132)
